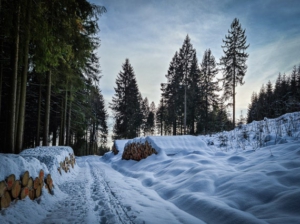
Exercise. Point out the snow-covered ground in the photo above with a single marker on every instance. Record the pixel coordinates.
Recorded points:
(249, 175)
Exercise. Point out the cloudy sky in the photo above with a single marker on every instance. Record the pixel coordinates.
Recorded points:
(149, 32)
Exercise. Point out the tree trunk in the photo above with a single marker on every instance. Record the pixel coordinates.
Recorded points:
(39, 117)
(233, 103)
(22, 107)
(61, 128)
(14, 79)
(63, 119)
(47, 109)
(54, 139)
(68, 136)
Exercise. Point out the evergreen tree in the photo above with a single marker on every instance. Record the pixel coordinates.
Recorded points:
(126, 105)
(234, 62)
(194, 96)
(181, 74)
(209, 86)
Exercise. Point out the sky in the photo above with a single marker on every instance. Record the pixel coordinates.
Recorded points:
(149, 32)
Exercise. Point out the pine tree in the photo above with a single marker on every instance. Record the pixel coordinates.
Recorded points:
(234, 62)
(126, 105)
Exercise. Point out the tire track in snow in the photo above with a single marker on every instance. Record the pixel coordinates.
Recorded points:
(107, 204)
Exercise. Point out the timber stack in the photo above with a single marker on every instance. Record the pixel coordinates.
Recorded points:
(12, 189)
(67, 164)
(137, 151)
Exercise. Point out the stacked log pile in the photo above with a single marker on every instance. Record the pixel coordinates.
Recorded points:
(67, 164)
(137, 151)
(12, 189)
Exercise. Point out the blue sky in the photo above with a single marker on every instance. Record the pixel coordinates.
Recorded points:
(149, 32)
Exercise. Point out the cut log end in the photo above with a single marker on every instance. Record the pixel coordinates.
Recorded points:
(24, 193)
(41, 176)
(5, 200)
(25, 178)
(10, 181)
(16, 189)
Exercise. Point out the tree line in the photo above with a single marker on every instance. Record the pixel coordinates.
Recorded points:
(49, 76)
(191, 102)
(275, 100)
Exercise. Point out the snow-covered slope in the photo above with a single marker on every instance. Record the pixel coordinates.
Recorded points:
(248, 175)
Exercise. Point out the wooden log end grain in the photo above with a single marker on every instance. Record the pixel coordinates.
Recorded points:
(36, 183)
(38, 191)
(16, 189)
(41, 175)
(10, 181)
(30, 183)
(49, 181)
(24, 193)
(31, 194)
(25, 178)
(5, 200)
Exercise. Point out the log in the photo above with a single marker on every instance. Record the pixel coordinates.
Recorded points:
(25, 178)
(5, 200)
(10, 181)
(2, 187)
(49, 181)
(16, 189)
(31, 194)
(41, 176)
(36, 183)
(30, 183)
(24, 193)
(38, 191)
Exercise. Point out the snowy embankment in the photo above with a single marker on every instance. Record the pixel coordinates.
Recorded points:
(33, 160)
(248, 176)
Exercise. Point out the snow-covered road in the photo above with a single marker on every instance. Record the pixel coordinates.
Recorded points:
(99, 194)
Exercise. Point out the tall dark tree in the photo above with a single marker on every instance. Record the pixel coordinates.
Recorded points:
(234, 62)
(209, 86)
(126, 105)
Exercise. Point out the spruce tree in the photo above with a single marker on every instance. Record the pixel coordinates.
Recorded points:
(209, 85)
(126, 105)
(234, 62)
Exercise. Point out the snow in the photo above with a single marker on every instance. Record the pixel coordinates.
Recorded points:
(120, 144)
(220, 178)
